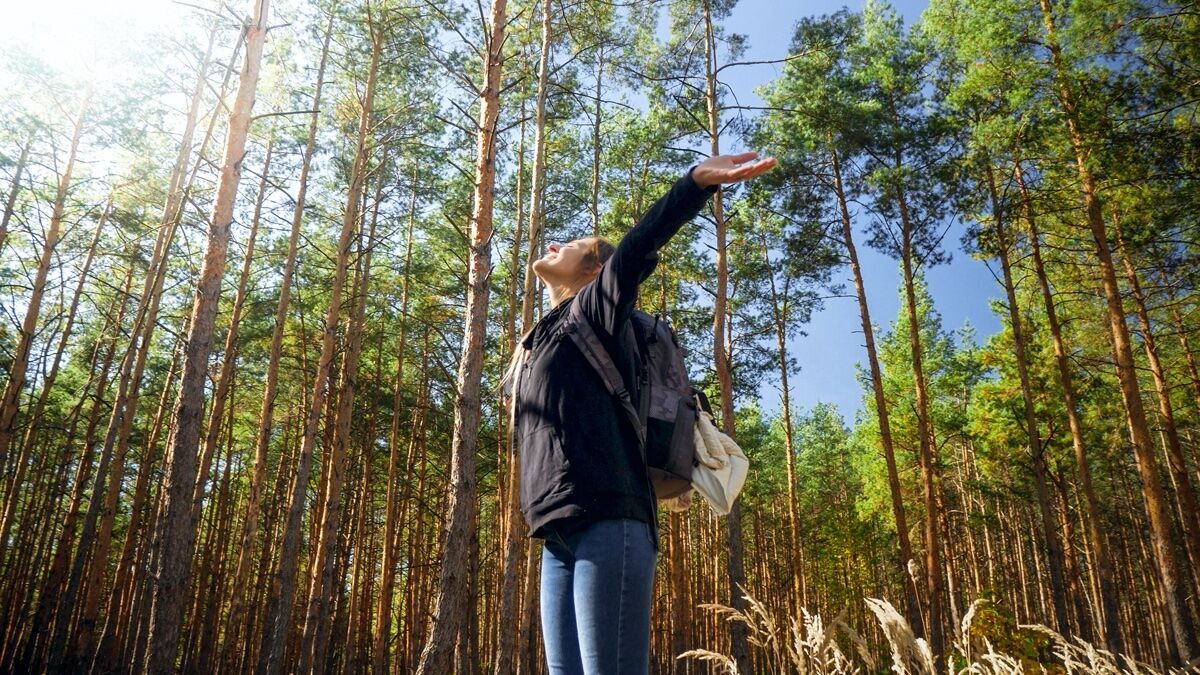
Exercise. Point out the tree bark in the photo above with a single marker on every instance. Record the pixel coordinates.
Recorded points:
(510, 540)
(1176, 462)
(1103, 564)
(35, 416)
(740, 648)
(20, 360)
(1173, 582)
(262, 439)
(383, 619)
(279, 604)
(1054, 555)
(316, 636)
(912, 605)
(177, 534)
(449, 606)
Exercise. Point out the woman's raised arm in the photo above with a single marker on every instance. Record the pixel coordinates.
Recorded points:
(608, 301)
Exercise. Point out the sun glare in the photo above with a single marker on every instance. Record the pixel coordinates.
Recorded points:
(87, 39)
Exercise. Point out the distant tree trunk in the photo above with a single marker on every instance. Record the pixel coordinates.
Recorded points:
(456, 572)
(1176, 462)
(177, 536)
(235, 620)
(594, 203)
(1100, 556)
(1173, 584)
(49, 595)
(505, 658)
(119, 603)
(11, 203)
(779, 316)
(740, 648)
(1036, 451)
(912, 606)
(279, 604)
(383, 618)
(35, 417)
(927, 457)
(315, 640)
(20, 359)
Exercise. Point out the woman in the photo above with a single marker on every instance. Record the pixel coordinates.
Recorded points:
(584, 488)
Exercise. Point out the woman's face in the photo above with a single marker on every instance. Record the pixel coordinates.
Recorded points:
(563, 263)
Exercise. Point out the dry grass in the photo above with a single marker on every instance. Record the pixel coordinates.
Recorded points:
(987, 643)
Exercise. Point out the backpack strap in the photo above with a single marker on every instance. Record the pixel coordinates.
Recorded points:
(579, 329)
(643, 346)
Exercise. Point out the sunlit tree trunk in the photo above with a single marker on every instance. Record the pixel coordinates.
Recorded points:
(1103, 564)
(33, 425)
(737, 576)
(279, 604)
(393, 524)
(20, 359)
(1176, 462)
(1036, 452)
(912, 605)
(456, 572)
(510, 539)
(315, 641)
(262, 439)
(1174, 585)
(176, 534)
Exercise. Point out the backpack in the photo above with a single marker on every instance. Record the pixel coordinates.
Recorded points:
(665, 421)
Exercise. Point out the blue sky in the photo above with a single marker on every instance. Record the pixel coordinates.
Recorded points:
(828, 354)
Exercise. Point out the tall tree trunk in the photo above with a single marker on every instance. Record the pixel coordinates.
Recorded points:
(1054, 554)
(35, 417)
(927, 457)
(447, 614)
(383, 618)
(117, 620)
(49, 596)
(279, 604)
(505, 658)
(177, 535)
(908, 583)
(316, 636)
(15, 384)
(229, 356)
(740, 647)
(11, 202)
(262, 439)
(1176, 462)
(779, 315)
(1102, 561)
(537, 187)
(1173, 582)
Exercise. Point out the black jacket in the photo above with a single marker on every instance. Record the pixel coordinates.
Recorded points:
(580, 460)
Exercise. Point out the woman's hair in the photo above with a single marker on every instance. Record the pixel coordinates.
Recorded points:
(597, 252)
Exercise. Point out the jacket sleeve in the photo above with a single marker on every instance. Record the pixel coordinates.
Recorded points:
(608, 301)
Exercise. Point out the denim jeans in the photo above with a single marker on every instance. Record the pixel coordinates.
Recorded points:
(595, 598)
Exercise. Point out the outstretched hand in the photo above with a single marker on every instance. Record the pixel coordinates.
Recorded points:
(730, 168)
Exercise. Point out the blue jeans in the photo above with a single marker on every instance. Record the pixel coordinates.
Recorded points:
(595, 598)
